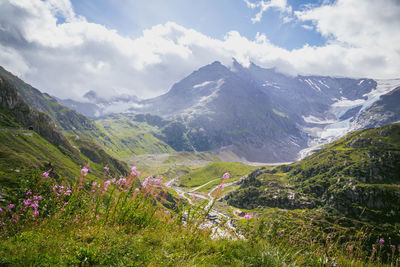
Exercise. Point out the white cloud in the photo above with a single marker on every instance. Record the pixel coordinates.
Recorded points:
(307, 27)
(280, 5)
(49, 46)
(357, 22)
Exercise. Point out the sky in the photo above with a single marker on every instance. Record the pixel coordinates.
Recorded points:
(142, 47)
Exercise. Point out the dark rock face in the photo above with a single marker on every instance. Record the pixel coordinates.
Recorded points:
(219, 108)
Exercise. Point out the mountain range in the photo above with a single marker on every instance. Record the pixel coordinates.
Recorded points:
(257, 113)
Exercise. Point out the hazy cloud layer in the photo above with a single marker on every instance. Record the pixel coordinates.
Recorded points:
(48, 45)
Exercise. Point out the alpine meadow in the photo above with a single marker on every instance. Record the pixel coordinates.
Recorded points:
(200, 133)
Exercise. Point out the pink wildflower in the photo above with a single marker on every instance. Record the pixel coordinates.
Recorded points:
(221, 186)
(107, 183)
(381, 241)
(106, 168)
(121, 181)
(35, 204)
(55, 187)
(27, 202)
(159, 180)
(29, 193)
(39, 197)
(247, 216)
(168, 184)
(94, 184)
(35, 213)
(226, 176)
(11, 206)
(147, 181)
(113, 180)
(137, 190)
(350, 248)
(84, 171)
(180, 196)
(192, 197)
(133, 168)
(1, 210)
(138, 173)
(45, 174)
(68, 192)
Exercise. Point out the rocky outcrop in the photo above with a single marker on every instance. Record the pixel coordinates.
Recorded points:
(357, 176)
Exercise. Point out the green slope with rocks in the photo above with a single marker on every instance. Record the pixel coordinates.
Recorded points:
(357, 176)
(31, 144)
(117, 138)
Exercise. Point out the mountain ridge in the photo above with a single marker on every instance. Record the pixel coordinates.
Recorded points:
(276, 117)
(256, 113)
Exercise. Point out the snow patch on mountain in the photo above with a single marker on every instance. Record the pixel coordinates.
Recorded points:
(383, 87)
(201, 106)
(312, 85)
(315, 120)
(272, 84)
(323, 83)
(340, 107)
(203, 84)
(328, 130)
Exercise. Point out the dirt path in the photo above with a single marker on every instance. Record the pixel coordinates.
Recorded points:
(215, 217)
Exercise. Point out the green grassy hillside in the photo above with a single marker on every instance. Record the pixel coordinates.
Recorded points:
(121, 141)
(172, 165)
(30, 143)
(214, 171)
(136, 137)
(358, 176)
(349, 192)
(65, 118)
(24, 149)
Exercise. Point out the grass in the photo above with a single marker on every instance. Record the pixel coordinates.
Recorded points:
(335, 239)
(133, 137)
(26, 149)
(214, 171)
(172, 165)
(127, 227)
